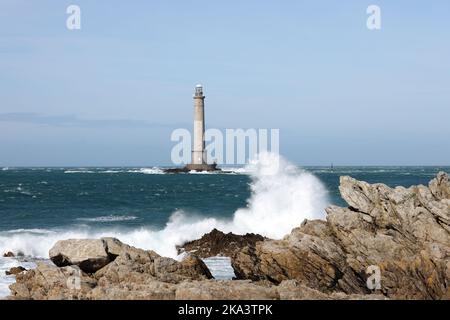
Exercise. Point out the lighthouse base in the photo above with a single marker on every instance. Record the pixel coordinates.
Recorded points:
(202, 167)
(194, 167)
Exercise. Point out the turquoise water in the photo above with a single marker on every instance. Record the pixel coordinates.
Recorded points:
(53, 197)
(152, 210)
(46, 198)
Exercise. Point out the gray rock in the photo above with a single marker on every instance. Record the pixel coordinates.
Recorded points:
(403, 231)
(225, 290)
(89, 254)
(131, 274)
(8, 254)
(15, 270)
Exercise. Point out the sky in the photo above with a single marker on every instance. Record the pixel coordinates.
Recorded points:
(111, 93)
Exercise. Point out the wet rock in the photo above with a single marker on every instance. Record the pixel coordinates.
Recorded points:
(8, 254)
(217, 243)
(15, 270)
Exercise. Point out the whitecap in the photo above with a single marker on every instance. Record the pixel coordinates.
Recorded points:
(79, 171)
(32, 230)
(154, 170)
(110, 218)
(238, 170)
(203, 172)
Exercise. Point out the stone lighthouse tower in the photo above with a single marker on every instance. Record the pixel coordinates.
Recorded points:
(198, 150)
(199, 161)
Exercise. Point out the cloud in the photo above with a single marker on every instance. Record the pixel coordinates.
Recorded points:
(75, 121)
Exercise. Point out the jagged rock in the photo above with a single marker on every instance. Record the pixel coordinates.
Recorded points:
(440, 187)
(138, 264)
(89, 254)
(217, 243)
(15, 270)
(403, 231)
(8, 254)
(52, 283)
(132, 273)
(293, 290)
(308, 254)
(225, 290)
(150, 289)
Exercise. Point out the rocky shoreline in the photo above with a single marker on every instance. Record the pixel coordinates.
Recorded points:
(401, 233)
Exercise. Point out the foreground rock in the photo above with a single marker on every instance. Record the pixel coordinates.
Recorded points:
(217, 243)
(405, 232)
(131, 273)
(90, 255)
(15, 270)
(54, 283)
(141, 274)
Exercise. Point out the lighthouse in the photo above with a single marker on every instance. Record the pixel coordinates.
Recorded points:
(199, 162)
(198, 148)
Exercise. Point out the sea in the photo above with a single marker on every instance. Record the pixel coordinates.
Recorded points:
(149, 209)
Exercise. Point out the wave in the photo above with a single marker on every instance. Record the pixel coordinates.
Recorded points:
(79, 171)
(204, 172)
(110, 218)
(32, 231)
(154, 170)
(20, 190)
(243, 170)
(282, 196)
(158, 170)
(223, 170)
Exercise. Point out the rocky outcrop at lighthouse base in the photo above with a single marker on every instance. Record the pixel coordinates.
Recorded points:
(404, 233)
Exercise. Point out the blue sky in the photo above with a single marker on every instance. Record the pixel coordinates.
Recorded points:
(112, 92)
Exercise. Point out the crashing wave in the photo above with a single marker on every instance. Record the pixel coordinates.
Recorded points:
(282, 196)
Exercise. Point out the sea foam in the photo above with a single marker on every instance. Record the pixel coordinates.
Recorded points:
(282, 196)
